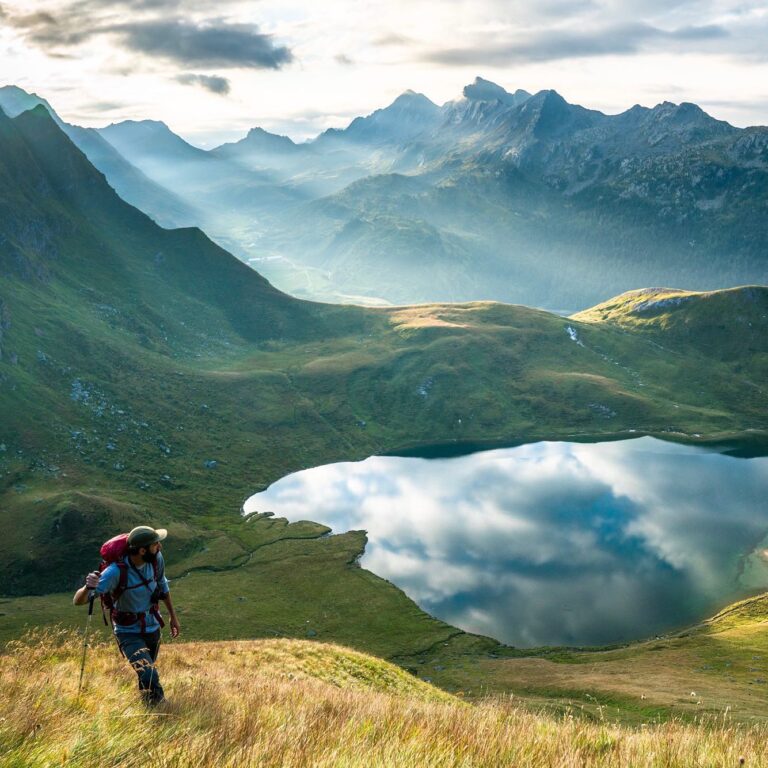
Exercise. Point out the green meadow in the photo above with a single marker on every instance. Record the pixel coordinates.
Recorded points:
(147, 376)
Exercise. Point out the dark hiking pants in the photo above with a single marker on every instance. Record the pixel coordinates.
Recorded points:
(141, 648)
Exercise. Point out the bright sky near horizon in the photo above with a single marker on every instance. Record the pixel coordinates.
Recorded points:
(212, 70)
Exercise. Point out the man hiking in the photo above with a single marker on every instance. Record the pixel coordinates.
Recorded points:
(131, 586)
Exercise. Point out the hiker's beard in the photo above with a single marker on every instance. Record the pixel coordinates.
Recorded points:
(149, 557)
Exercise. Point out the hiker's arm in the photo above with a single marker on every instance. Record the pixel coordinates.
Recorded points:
(92, 581)
(81, 596)
(165, 596)
(175, 626)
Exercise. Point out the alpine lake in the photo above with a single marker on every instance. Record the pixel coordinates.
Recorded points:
(551, 543)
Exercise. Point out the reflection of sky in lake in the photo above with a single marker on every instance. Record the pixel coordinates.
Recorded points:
(551, 543)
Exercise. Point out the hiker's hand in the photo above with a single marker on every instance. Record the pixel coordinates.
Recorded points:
(92, 580)
(175, 627)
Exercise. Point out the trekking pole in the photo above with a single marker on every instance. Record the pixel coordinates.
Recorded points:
(85, 641)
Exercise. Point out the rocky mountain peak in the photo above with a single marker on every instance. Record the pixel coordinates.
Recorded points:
(485, 90)
(412, 100)
(15, 100)
(260, 139)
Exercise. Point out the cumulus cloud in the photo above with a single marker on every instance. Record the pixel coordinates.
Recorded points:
(212, 83)
(216, 44)
(212, 43)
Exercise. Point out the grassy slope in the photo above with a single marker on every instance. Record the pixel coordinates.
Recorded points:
(134, 357)
(290, 704)
(149, 422)
(718, 668)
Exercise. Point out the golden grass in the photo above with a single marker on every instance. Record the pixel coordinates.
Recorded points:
(752, 611)
(294, 704)
(620, 305)
(718, 667)
(467, 315)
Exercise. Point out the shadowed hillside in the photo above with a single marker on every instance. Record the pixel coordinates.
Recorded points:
(129, 182)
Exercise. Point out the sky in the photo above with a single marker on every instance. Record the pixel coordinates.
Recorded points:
(212, 70)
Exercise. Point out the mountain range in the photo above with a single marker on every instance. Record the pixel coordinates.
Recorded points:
(515, 197)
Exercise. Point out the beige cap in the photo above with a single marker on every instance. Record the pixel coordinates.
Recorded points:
(144, 536)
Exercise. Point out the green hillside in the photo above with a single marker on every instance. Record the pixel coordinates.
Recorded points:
(716, 669)
(148, 376)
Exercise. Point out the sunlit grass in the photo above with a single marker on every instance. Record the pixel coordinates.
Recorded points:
(297, 703)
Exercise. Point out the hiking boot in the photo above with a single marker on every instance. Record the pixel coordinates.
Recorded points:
(152, 698)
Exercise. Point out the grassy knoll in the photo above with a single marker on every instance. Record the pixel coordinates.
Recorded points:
(295, 703)
(717, 668)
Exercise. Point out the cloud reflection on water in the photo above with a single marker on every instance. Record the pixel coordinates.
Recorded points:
(550, 543)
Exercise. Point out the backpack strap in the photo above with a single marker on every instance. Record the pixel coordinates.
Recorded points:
(109, 600)
(122, 584)
(144, 582)
(126, 618)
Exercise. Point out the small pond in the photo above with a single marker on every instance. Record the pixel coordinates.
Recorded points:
(551, 543)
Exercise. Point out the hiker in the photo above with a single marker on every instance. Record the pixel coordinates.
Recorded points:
(131, 586)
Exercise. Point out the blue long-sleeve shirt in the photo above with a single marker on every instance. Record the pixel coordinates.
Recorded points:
(136, 598)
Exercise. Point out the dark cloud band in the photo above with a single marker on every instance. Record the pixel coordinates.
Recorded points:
(211, 44)
(212, 83)
(622, 39)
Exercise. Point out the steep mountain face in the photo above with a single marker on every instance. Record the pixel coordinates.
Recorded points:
(108, 326)
(128, 181)
(407, 117)
(151, 142)
(485, 90)
(258, 143)
(549, 203)
(15, 100)
(222, 190)
(482, 104)
(62, 222)
(286, 164)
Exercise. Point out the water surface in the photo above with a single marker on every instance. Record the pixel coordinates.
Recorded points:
(551, 543)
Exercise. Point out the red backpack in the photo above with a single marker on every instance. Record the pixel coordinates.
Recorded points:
(114, 552)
